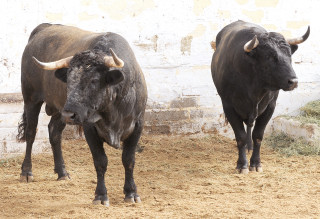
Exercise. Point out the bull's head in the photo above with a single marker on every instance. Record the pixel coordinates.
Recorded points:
(90, 76)
(270, 53)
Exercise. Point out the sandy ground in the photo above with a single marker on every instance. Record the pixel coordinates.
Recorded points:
(177, 177)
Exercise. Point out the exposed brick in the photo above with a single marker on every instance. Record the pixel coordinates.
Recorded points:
(184, 102)
(153, 105)
(185, 127)
(9, 120)
(12, 148)
(8, 108)
(161, 129)
(11, 97)
(166, 115)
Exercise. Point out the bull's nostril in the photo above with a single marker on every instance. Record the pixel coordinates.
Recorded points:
(293, 83)
(68, 115)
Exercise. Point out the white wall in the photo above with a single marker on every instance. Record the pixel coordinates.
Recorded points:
(171, 40)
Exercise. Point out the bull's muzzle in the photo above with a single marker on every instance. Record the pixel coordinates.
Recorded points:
(74, 117)
(292, 83)
(69, 116)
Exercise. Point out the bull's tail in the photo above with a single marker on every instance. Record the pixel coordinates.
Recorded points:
(21, 136)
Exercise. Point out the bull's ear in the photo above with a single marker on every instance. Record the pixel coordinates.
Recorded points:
(114, 77)
(61, 74)
(293, 48)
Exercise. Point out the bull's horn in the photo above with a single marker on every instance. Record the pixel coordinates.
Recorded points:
(250, 45)
(298, 40)
(113, 61)
(62, 63)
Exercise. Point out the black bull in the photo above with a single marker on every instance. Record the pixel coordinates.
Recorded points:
(97, 83)
(249, 67)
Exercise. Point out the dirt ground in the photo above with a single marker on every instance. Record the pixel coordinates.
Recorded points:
(177, 177)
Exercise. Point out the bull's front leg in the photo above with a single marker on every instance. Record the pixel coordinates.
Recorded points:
(55, 128)
(257, 136)
(128, 161)
(100, 163)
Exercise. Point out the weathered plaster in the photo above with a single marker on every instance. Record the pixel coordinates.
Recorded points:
(171, 41)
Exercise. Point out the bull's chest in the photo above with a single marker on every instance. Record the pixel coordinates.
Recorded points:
(113, 133)
(250, 109)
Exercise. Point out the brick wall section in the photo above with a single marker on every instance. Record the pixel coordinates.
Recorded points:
(11, 109)
(181, 116)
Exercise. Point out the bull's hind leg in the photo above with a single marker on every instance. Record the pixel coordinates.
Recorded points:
(55, 128)
(257, 136)
(128, 161)
(31, 111)
(100, 161)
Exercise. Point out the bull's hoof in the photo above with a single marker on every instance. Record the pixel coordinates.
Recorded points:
(101, 199)
(243, 171)
(28, 177)
(258, 169)
(132, 199)
(66, 177)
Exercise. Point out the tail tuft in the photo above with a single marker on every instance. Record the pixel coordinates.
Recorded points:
(21, 136)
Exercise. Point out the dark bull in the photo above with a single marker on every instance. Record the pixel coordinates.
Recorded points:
(249, 67)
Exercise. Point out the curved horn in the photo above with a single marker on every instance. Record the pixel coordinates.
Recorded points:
(298, 40)
(113, 61)
(250, 45)
(62, 63)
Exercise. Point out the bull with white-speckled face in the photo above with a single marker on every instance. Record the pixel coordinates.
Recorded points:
(97, 83)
